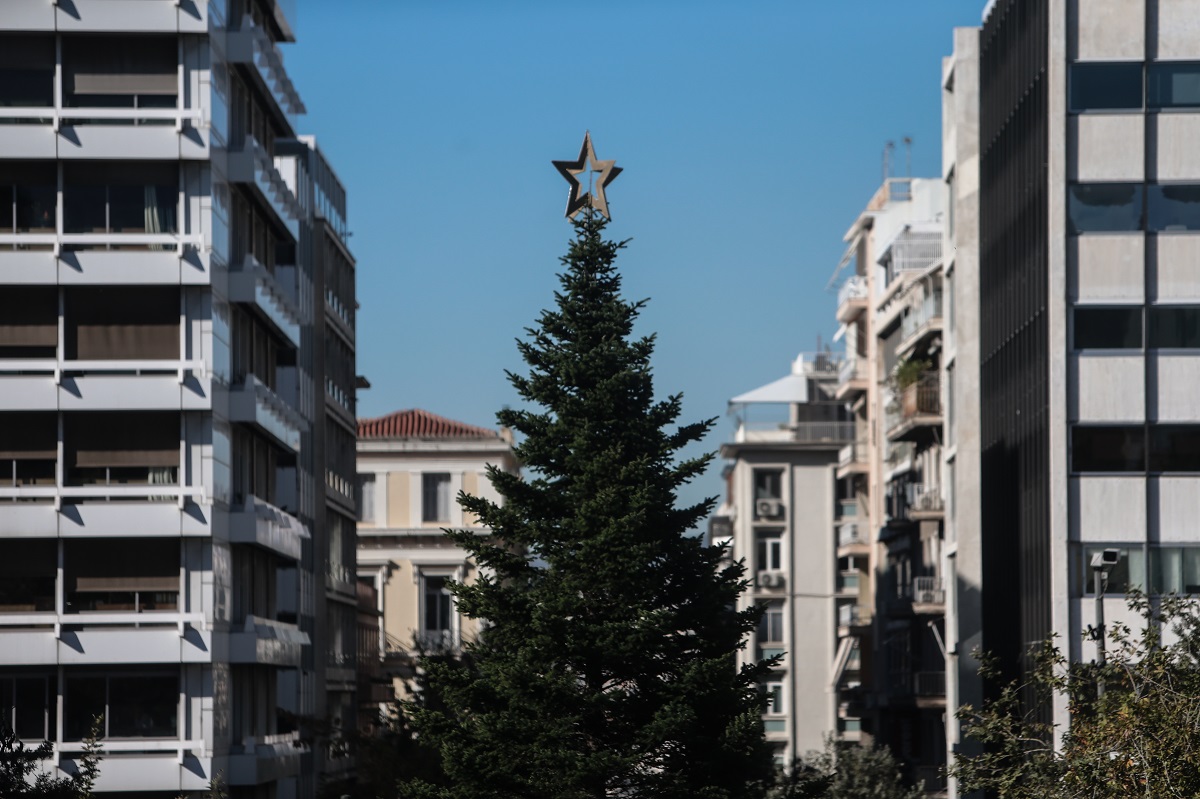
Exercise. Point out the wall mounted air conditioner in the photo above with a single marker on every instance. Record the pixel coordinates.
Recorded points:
(771, 579)
(768, 508)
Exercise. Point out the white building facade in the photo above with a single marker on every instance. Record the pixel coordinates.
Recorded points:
(176, 504)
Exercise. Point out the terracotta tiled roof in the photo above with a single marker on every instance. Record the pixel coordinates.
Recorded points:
(416, 423)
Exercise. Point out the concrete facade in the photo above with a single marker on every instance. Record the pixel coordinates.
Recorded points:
(176, 405)
(781, 516)
(411, 467)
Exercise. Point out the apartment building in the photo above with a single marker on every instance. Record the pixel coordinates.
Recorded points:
(891, 292)
(1089, 306)
(412, 465)
(176, 401)
(782, 517)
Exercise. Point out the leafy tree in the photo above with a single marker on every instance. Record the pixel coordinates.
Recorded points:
(843, 771)
(1140, 738)
(607, 665)
(18, 763)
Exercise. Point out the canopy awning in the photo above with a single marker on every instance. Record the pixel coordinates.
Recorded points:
(793, 388)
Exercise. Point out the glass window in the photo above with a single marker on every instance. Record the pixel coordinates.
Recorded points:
(1173, 207)
(770, 626)
(1177, 328)
(438, 611)
(143, 707)
(1171, 85)
(435, 502)
(1108, 328)
(1175, 570)
(1174, 448)
(1129, 572)
(774, 692)
(366, 498)
(768, 484)
(769, 556)
(1106, 87)
(1108, 449)
(1105, 207)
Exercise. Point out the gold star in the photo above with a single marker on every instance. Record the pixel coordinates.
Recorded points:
(587, 163)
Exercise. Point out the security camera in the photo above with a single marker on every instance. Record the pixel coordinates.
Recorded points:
(1106, 558)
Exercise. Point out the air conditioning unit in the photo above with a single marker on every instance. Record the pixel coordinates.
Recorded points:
(771, 580)
(768, 508)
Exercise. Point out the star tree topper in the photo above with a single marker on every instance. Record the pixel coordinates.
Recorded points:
(599, 175)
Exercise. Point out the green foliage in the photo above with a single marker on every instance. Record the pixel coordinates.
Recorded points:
(18, 763)
(910, 371)
(1141, 738)
(842, 771)
(607, 664)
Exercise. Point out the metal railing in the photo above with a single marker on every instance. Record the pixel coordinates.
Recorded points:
(849, 369)
(801, 433)
(922, 397)
(928, 590)
(855, 288)
(927, 498)
(854, 452)
(850, 533)
(852, 615)
(930, 308)
(914, 250)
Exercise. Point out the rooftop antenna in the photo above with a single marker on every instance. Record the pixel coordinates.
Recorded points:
(908, 156)
(887, 159)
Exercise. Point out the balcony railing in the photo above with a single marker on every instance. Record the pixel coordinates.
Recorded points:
(801, 433)
(855, 288)
(850, 533)
(854, 452)
(929, 309)
(927, 499)
(928, 591)
(852, 615)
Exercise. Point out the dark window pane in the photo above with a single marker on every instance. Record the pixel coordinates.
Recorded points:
(84, 702)
(143, 707)
(1108, 449)
(1175, 448)
(36, 208)
(1173, 207)
(1100, 207)
(84, 209)
(1173, 85)
(30, 708)
(1108, 328)
(1098, 87)
(1174, 327)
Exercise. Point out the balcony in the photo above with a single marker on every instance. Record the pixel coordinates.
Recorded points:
(918, 417)
(928, 595)
(260, 523)
(253, 402)
(253, 166)
(852, 378)
(255, 285)
(853, 459)
(821, 434)
(852, 619)
(251, 45)
(852, 298)
(848, 583)
(265, 758)
(852, 540)
(922, 323)
(927, 688)
(267, 642)
(927, 503)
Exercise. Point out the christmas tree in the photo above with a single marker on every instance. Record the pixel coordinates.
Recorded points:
(606, 668)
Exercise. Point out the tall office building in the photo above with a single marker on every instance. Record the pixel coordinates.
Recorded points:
(176, 401)
(1089, 211)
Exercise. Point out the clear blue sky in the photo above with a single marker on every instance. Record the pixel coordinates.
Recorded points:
(751, 134)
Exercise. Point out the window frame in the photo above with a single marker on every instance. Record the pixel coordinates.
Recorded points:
(431, 481)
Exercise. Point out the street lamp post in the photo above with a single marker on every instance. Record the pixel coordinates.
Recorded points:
(1101, 563)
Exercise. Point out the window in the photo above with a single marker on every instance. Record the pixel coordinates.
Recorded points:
(435, 497)
(26, 70)
(1175, 570)
(120, 576)
(774, 693)
(1173, 207)
(1174, 328)
(28, 196)
(133, 706)
(1130, 571)
(1108, 449)
(769, 555)
(1100, 207)
(25, 707)
(120, 71)
(1173, 85)
(768, 484)
(1106, 87)
(366, 501)
(437, 614)
(770, 626)
(1108, 328)
(1174, 448)
(122, 323)
(115, 198)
